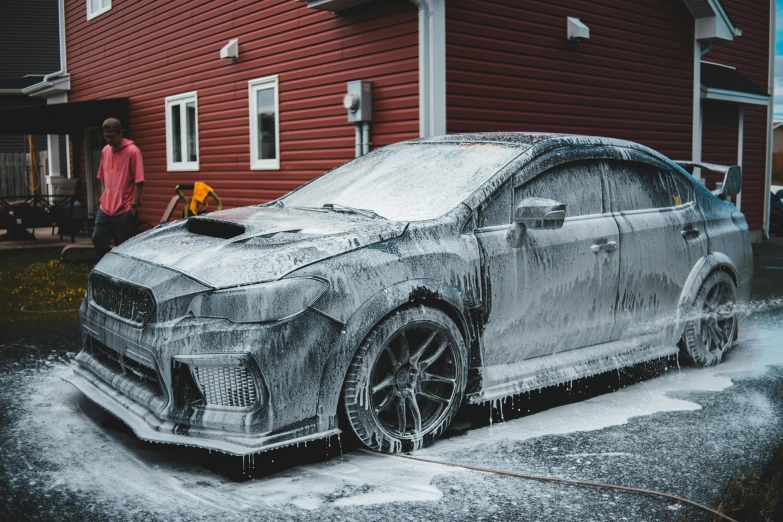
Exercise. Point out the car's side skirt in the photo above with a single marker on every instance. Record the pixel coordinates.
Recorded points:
(531, 374)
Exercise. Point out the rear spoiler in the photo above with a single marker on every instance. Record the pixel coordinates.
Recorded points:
(732, 176)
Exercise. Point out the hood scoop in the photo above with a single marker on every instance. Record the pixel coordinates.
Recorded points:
(214, 228)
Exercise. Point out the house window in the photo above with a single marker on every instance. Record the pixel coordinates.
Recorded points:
(96, 7)
(182, 131)
(264, 124)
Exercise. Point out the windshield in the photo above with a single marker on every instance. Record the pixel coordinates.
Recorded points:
(407, 182)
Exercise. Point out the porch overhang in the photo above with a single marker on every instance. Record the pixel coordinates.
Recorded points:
(724, 83)
(62, 118)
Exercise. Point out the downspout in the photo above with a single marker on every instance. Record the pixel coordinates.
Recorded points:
(740, 143)
(432, 67)
(63, 64)
(53, 142)
(696, 140)
(770, 116)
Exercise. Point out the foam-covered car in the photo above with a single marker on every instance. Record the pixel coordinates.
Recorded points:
(381, 295)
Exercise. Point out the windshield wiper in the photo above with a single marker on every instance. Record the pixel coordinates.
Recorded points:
(343, 208)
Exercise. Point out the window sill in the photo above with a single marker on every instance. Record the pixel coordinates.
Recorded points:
(267, 166)
(182, 168)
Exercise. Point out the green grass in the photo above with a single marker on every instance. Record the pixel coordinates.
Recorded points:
(37, 288)
(755, 495)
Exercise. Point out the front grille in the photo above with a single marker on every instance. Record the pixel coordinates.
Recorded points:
(145, 376)
(125, 300)
(227, 386)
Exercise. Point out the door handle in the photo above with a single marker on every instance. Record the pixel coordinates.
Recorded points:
(609, 246)
(690, 232)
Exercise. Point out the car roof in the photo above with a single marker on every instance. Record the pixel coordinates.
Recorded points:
(528, 139)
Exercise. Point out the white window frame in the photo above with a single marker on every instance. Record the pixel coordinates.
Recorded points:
(254, 86)
(181, 100)
(105, 6)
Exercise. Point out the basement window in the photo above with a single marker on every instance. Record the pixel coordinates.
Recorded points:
(264, 124)
(97, 7)
(182, 132)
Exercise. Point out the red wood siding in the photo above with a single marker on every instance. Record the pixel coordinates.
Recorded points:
(510, 67)
(720, 130)
(719, 145)
(749, 53)
(146, 50)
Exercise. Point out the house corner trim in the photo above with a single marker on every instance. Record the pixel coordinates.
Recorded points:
(432, 67)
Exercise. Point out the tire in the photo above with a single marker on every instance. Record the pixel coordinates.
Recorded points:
(415, 360)
(713, 329)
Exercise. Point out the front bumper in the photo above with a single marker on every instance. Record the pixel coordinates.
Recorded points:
(142, 388)
(147, 426)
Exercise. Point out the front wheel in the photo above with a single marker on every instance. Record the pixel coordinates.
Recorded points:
(406, 381)
(709, 335)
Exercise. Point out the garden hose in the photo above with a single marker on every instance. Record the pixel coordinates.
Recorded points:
(564, 481)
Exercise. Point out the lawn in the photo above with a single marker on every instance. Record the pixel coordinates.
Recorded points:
(37, 288)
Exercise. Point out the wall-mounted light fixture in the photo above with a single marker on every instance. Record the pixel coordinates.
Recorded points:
(577, 31)
(230, 50)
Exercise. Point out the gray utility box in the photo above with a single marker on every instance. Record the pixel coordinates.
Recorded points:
(358, 101)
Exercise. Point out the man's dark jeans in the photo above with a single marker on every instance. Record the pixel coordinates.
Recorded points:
(120, 228)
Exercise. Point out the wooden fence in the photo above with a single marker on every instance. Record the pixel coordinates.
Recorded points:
(15, 179)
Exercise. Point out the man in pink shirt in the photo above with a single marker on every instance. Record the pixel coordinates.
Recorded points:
(122, 178)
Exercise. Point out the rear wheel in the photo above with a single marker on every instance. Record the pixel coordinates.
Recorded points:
(406, 381)
(710, 334)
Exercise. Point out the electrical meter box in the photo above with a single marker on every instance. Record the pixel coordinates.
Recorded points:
(358, 101)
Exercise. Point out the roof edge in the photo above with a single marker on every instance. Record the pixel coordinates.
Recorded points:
(49, 88)
(712, 21)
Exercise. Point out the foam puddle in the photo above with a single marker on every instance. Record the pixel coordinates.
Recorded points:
(759, 347)
(73, 452)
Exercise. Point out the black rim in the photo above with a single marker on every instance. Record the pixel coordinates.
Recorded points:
(718, 321)
(414, 380)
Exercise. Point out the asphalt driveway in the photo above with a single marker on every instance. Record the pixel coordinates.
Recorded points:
(684, 431)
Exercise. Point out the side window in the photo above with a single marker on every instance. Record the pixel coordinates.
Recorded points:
(682, 189)
(497, 209)
(639, 186)
(264, 124)
(96, 7)
(578, 185)
(182, 132)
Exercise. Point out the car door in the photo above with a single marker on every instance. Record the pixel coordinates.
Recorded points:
(662, 236)
(557, 291)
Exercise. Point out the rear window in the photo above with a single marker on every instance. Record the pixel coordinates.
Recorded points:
(639, 186)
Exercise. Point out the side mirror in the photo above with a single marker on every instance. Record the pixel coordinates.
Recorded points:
(535, 214)
(732, 182)
(540, 213)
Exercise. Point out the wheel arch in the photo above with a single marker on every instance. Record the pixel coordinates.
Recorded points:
(705, 266)
(427, 292)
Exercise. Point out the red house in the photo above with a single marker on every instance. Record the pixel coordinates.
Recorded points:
(691, 78)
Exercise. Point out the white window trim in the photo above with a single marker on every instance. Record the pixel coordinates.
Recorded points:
(252, 87)
(93, 14)
(180, 166)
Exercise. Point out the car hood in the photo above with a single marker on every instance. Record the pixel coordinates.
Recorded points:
(255, 244)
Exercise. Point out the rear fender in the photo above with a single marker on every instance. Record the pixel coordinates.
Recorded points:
(365, 318)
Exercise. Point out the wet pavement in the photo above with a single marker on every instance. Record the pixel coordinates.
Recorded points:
(683, 431)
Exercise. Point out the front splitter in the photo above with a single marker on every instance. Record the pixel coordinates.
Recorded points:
(147, 426)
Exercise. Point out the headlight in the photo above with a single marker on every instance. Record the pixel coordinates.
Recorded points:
(259, 303)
